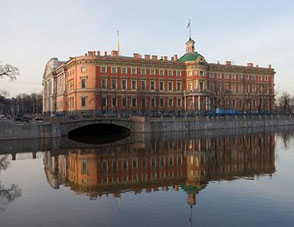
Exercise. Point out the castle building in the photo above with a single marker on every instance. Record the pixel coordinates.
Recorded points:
(114, 83)
(161, 164)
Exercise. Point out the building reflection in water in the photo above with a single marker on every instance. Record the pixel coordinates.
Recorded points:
(187, 164)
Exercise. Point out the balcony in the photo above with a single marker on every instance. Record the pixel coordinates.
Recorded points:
(197, 92)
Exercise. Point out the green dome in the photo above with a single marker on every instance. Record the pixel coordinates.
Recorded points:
(190, 57)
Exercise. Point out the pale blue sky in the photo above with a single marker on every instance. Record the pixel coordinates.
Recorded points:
(33, 31)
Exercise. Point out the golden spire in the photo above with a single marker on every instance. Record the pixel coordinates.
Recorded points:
(118, 48)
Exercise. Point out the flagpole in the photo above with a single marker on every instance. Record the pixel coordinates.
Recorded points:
(190, 29)
(118, 47)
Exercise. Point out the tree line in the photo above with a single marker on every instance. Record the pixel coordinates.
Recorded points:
(285, 103)
(21, 105)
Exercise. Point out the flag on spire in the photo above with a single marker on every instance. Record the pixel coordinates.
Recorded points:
(188, 26)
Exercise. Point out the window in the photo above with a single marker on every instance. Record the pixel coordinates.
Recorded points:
(113, 84)
(113, 69)
(114, 102)
(134, 163)
(143, 84)
(161, 72)
(189, 73)
(152, 72)
(233, 88)
(240, 77)
(103, 83)
(190, 86)
(143, 102)
(170, 73)
(170, 102)
(83, 69)
(161, 85)
(83, 101)
(161, 102)
(125, 165)
(134, 70)
(103, 69)
(240, 88)
(71, 85)
(143, 71)
(114, 165)
(219, 76)
(170, 85)
(201, 86)
(152, 102)
(179, 102)
(179, 85)
(84, 168)
(134, 102)
(123, 70)
(124, 84)
(152, 85)
(124, 102)
(83, 83)
(104, 101)
(201, 73)
(134, 84)
(178, 73)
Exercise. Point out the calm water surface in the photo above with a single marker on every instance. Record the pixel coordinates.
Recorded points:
(180, 179)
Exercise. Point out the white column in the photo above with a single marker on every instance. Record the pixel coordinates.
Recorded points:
(193, 98)
(199, 103)
(185, 103)
(206, 103)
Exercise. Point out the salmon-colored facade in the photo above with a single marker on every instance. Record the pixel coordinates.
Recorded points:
(113, 83)
(189, 163)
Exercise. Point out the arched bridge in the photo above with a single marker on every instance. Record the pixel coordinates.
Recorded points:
(132, 124)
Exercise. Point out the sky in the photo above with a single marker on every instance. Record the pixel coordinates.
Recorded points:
(257, 31)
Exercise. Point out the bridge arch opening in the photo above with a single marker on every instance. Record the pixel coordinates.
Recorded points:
(99, 133)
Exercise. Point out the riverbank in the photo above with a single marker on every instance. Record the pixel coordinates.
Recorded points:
(13, 130)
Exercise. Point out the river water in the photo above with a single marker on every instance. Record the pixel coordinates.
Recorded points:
(215, 178)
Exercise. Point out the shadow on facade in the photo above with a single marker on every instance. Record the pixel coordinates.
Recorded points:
(99, 133)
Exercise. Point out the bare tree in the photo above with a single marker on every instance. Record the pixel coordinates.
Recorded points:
(284, 103)
(4, 162)
(8, 71)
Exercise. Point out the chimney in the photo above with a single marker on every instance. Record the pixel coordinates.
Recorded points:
(154, 57)
(257, 66)
(172, 59)
(228, 62)
(165, 58)
(136, 55)
(218, 62)
(90, 53)
(147, 56)
(161, 58)
(250, 65)
(98, 53)
(105, 53)
(114, 53)
(269, 66)
(175, 57)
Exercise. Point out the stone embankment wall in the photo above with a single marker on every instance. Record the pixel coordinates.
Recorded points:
(203, 123)
(13, 130)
